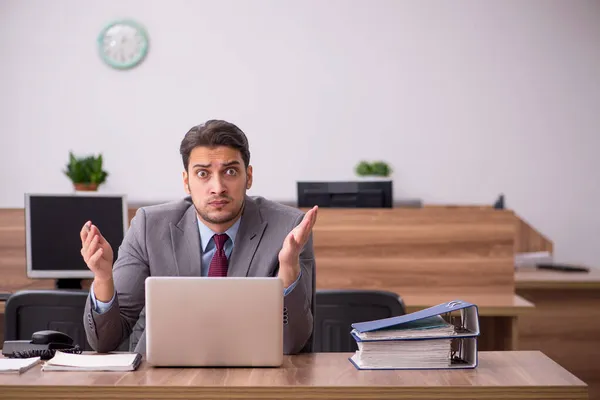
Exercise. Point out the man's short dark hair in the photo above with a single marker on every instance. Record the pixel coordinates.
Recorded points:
(211, 134)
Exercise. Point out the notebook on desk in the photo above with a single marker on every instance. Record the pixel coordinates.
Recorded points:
(93, 362)
(434, 338)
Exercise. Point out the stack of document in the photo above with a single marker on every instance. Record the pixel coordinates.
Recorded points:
(434, 326)
(17, 365)
(421, 340)
(93, 362)
(385, 348)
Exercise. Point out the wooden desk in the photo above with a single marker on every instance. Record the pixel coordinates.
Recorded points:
(488, 305)
(531, 278)
(500, 375)
(565, 324)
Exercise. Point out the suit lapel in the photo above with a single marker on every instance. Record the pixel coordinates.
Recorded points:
(185, 240)
(252, 227)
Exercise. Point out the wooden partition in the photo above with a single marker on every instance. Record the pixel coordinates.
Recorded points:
(13, 275)
(433, 250)
(426, 255)
(437, 250)
(529, 239)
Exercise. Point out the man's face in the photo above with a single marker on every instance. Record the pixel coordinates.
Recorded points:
(217, 181)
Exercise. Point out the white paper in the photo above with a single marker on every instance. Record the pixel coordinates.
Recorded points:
(17, 364)
(91, 362)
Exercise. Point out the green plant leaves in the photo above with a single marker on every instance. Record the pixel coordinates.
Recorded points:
(377, 168)
(86, 169)
(363, 168)
(380, 168)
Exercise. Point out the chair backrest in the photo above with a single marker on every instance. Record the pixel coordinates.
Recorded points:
(29, 311)
(310, 344)
(337, 310)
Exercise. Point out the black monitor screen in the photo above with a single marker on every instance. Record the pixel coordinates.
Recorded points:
(349, 194)
(53, 225)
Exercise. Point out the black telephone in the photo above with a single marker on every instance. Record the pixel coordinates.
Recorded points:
(43, 344)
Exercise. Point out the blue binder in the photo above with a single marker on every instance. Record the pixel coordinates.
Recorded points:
(464, 327)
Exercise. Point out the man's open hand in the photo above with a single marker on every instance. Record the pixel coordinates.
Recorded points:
(98, 256)
(289, 263)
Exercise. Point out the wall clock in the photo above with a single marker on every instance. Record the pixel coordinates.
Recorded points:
(123, 44)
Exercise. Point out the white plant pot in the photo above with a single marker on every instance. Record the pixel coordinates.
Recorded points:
(374, 178)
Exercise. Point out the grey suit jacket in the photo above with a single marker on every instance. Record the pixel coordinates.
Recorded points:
(164, 240)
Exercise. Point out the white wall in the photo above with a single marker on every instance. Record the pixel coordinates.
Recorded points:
(466, 99)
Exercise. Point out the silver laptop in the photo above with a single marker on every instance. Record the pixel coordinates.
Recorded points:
(214, 322)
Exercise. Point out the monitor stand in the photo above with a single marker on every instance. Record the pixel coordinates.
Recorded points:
(68, 283)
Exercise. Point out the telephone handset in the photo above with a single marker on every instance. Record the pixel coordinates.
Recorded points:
(43, 344)
(47, 337)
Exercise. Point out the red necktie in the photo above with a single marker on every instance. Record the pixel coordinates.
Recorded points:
(218, 264)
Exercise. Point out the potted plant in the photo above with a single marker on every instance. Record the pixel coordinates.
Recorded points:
(373, 169)
(86, 173)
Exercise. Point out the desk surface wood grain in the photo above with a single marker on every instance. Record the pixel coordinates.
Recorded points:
(506, 375)
(532, 278)
(488, 305)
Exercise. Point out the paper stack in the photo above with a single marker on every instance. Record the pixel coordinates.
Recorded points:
(421, 340)
(93, 362)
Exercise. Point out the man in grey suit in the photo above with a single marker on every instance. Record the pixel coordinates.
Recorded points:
(217, 231)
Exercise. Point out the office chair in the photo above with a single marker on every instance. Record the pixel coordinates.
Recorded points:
(29, 311)
(338, 309)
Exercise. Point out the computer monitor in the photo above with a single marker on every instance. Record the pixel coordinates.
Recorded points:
(349, 194)
(52, 225)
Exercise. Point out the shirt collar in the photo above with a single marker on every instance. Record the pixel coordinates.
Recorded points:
(206, 233)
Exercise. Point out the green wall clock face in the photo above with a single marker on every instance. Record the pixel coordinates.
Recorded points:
(123, 44)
